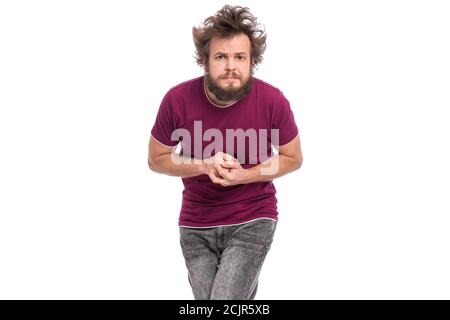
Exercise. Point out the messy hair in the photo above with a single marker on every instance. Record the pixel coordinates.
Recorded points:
(227, 22)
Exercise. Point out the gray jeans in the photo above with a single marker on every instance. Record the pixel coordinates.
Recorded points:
(224, 262)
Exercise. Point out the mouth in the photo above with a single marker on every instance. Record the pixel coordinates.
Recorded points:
(230, 78)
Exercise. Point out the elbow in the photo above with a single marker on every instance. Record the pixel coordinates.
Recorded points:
(152, 165)
(298, 163)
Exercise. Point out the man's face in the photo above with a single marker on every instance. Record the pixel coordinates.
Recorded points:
(229, 70)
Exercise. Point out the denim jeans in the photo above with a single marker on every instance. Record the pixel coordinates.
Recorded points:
(224, 262)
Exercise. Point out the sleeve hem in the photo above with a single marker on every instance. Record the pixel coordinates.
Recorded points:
(290, 140)
(169, 146)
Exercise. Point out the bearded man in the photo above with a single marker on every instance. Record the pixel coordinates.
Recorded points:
(229, 209)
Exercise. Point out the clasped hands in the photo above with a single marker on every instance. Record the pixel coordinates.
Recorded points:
(225, 170)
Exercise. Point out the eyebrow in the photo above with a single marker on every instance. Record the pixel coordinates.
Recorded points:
(226, 54)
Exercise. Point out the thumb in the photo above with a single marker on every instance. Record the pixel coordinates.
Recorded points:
(231, 164)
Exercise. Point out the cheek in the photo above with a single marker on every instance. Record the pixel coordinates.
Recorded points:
(215, 69)
(245, 69)
(244, 66)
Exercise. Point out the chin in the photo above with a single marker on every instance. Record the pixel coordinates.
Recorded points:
(232, 87)
(235, 84)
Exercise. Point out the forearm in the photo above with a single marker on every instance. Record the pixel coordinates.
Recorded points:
(272, 168)
(174, 165)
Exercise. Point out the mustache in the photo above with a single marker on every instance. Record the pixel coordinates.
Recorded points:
(230, 75)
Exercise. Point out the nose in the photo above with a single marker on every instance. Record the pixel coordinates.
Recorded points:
(230, 64)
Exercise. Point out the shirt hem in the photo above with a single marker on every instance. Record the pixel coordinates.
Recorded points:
(227, 225)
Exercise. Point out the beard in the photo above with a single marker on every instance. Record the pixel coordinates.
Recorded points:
(230, 93)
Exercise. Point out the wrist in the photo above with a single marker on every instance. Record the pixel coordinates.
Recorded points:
(250, 175)
(203, 168)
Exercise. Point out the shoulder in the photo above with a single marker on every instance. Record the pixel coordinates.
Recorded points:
(181, 98)
(268, 92)
(185, 87)
(178, 97)
(265, 85)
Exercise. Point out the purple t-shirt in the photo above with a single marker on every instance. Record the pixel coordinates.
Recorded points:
(187, 107)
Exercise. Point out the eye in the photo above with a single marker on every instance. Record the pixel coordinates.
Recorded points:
(219, 57)
(241, 57)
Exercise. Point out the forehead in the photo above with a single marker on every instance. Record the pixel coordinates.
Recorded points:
(236, 43)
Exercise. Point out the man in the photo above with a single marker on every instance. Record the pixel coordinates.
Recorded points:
(229, 213)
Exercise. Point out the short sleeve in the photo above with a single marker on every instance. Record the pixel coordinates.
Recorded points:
(165, 123)
(283, 120)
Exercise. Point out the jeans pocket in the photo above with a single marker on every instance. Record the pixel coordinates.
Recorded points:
(256, 235)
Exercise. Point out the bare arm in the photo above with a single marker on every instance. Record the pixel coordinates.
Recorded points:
(164, 159)
(161, 160)
(289, 158)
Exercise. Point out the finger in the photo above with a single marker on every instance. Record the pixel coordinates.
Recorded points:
(230, 158)
(218, 159)
(215, 178)
(224, 173)
(216, 172)
(231, 165)
(227, 157)
(218, 181)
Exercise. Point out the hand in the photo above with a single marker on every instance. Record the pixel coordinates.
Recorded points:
(219, 158)
(228, 173)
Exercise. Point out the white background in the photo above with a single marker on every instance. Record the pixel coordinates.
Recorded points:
(82, 216)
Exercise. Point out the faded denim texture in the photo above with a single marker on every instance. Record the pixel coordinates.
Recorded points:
(224, 262)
